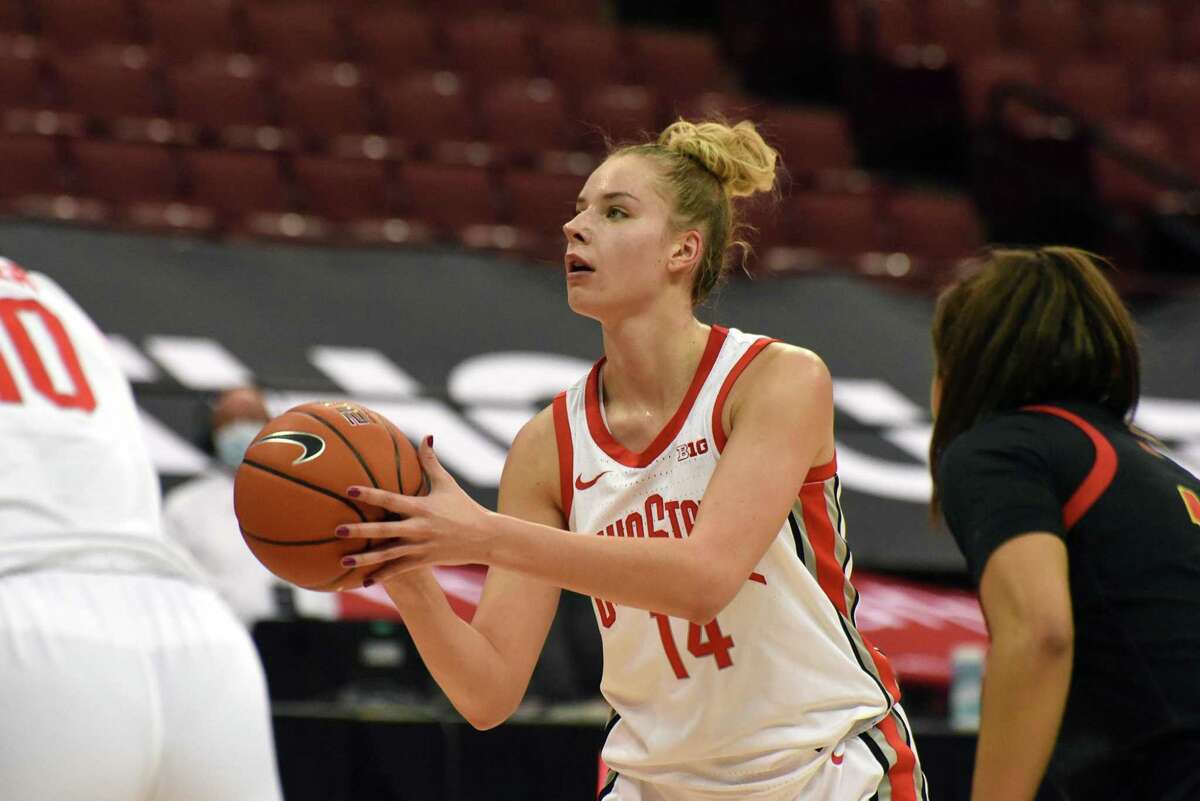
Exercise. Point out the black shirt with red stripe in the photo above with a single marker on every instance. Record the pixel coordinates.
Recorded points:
(1130, 518)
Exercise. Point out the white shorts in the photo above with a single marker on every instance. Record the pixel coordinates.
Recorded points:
(880, 763)
(129, 688)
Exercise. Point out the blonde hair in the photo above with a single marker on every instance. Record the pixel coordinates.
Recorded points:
(703, 167)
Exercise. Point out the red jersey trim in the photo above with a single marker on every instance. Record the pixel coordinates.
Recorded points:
(718, 430)
(605, 440)
(1098, 479)
(822, 472)
(566, 454)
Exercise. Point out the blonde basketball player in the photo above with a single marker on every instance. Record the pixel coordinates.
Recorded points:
(123, 677)
(696, 466)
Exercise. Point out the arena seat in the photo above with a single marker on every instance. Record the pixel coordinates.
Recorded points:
(13, 18)
(394, 40)
(1099, 90)
(579, 56)
(1134, 33)
(295, 32)
(932, 226)
(526, 116)
(541, 203)
(429, 109)
(491, 48)
(1055, 31)
(842, 224)
(235, 184)
(893, 23)
(810, 140)
(116, 87)
(581, 10)
(448, 197)
(31, 166)
(124, 173)
(343, 189)
(676, 64)
(620, 111)
(965, 30)
(979, 76)
(82, 24)
(1187, 36)
(21, 83)
(1120, 185)
(223, 95)
(326, 103)
(1172, 94)
(182, 30)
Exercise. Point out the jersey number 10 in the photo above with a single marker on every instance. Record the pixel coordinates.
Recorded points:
(72, 391)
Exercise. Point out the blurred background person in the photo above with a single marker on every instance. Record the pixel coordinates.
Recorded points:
(1082, 536)
(198, 514)
(123, 677)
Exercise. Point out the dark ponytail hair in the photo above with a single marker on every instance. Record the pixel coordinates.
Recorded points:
(1030, 326)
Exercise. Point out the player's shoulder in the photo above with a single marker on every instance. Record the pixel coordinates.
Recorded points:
(536, 442)
(784, 367)
(1008, 435)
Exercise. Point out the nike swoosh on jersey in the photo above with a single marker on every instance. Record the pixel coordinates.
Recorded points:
(581, 485)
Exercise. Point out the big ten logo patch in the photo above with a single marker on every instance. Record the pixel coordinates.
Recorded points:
(690, 450)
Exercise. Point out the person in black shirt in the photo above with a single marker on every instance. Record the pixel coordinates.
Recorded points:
(1082, 535)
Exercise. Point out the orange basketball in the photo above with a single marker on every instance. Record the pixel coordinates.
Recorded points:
(290, 490)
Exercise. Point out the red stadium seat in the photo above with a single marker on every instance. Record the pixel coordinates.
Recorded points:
(1096, 89)
(581, 10)
(13, 18)
(293, 32)
(582, 56)
(82, 24)
(843, 224)
(966, 29)
(540, 202)
(619, 112)
(394, 40)
(1172, 94)
(980, 76)
(224, 96)
(810, 140)
(491, 48)
(933, 226)
(236, 184)
(124, 173)
(1122, 185)
(428, 109)
(343, 190)
(882, 27)
(448, 198)
(1134, 33)
(524, 117)
(326, 102)
(729, 105)
(676, 64)
(182, 30)
(1055, 31)
(30, 166)
(1187, 37)
(116, 87)
(21, 84)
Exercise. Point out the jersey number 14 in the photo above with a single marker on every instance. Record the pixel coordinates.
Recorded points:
(706, 640)
(67, 388)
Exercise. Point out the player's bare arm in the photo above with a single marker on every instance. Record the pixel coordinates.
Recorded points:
(484, 667)
(1026, 598)
(780, 415)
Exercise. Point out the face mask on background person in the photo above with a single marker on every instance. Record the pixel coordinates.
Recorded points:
(233, 439)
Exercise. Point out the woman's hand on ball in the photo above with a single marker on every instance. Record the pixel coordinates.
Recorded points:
(445, 527)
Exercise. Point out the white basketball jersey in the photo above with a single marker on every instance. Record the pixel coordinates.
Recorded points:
(746, 702)
(74, 469)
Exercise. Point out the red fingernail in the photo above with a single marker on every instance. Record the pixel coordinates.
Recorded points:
(429, 441)
(354, 492)
(368, 583)
(342, 531)
(348, 562)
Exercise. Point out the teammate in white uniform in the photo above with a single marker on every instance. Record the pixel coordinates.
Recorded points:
(122, 676)
(698, 465)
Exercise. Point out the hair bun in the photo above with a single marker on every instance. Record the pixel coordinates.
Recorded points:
(735, 154)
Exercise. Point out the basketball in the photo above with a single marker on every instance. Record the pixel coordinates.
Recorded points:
(289, 492)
